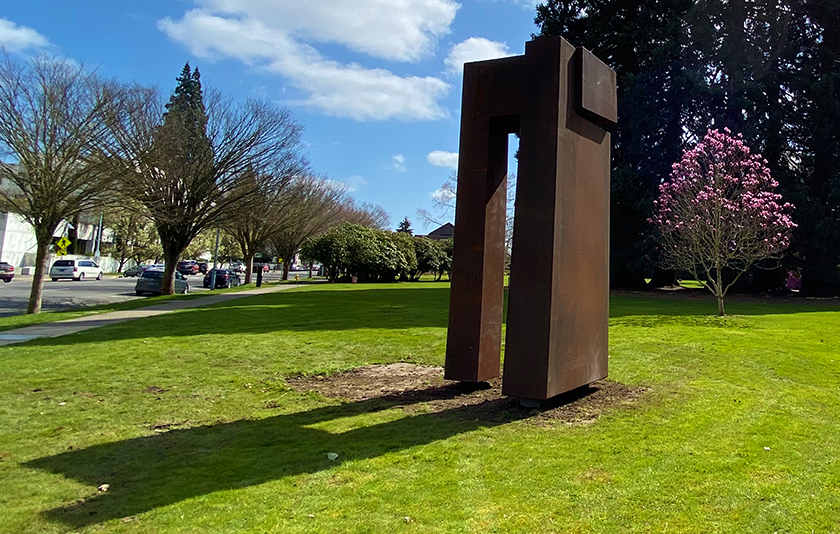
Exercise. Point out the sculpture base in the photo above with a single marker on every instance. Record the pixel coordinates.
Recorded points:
(530, 403)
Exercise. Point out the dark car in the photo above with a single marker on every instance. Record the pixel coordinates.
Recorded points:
(224, 278)
(151, 281)
(7, 271)
(202, 267)
(187, 267)
(135, 271)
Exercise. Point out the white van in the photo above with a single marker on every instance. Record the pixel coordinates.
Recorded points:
(75, 270)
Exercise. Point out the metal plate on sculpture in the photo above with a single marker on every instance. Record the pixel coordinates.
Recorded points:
(597, 91)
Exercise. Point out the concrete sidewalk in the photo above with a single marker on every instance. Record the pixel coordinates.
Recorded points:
(79, 324)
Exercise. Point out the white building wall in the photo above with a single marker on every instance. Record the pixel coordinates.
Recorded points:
(19, 247)
(17, 239)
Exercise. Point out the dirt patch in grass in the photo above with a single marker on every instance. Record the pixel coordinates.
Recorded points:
(417, 387)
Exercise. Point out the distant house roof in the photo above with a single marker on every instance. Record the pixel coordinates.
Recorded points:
(444, 232)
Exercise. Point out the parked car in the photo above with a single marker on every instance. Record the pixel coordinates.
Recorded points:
(224, 278)
(187, 267)
(202, 267)
(151, 281)
(7, 271)
(75, 270)
(237, 266)
(135, 271)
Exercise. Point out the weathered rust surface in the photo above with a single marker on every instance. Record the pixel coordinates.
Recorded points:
(490, 108)
(560, 100)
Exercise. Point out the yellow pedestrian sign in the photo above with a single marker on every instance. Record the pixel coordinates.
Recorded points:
(62, 243)
(61, 252)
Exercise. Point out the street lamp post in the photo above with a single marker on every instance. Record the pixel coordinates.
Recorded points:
(215, 262)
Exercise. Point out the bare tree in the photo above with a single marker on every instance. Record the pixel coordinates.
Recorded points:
(187, 161)
(443, 206)
(443, 203)
(270, 211)
(366, 214)
(318, 204)
(134, 236)
(52, 128)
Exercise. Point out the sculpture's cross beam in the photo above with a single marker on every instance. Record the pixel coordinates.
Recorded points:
(559, 100)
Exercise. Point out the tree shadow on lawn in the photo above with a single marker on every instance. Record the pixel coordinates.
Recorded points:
(341, 309)
(149, 472)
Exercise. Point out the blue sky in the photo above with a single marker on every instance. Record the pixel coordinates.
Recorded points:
(376, 83)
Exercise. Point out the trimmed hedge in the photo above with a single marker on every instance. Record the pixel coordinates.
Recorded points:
(352, 250)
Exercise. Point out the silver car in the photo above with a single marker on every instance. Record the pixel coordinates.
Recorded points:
(75, 270)
(151, 281)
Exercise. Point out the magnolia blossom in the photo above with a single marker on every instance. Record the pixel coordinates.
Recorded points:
(719, 210)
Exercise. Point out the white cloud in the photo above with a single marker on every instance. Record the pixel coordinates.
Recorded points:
(402, 30)
(525, 4)
(441, 158)
(351, 184)
(19, 38)
(346, 90)
(354, 183)
(442, 195)
(398, 163)
(474, 49)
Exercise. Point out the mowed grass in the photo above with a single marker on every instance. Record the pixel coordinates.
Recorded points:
(20, 321)
(188, 419)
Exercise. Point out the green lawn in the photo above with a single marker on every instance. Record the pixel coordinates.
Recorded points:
(188, 418)
(20, 321)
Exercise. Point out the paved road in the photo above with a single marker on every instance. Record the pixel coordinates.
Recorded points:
(65, 294)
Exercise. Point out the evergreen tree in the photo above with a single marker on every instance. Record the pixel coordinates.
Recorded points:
(185, 156)
(659, 81)
(405, 227)
(768, 69)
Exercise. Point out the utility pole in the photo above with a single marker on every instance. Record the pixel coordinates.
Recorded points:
(98, 239)
(215, 262)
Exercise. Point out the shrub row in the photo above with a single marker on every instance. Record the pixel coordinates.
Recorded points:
(352, 250)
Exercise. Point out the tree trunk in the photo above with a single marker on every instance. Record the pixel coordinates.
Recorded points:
(662, 278)
(285, 269)
(249, 267)
(40, 271)
(172, 250)
(719, 292)
(73, 236)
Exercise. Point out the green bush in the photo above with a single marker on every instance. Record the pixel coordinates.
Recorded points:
(370, 255)
(431, 257)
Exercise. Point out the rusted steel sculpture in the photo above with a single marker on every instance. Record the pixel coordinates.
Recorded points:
(560, 100)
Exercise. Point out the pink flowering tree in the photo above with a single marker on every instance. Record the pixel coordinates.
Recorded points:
(719, 213)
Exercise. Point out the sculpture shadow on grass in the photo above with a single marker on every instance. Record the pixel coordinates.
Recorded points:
(154, 471)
